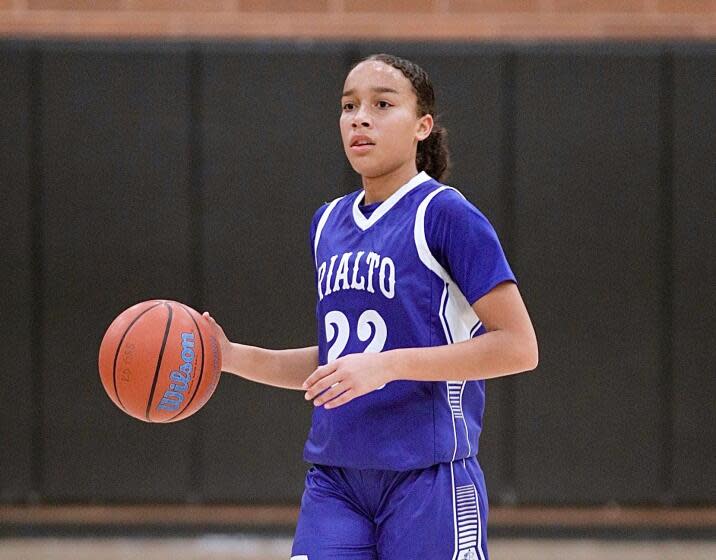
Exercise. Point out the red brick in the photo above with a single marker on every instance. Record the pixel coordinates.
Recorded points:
(613, 6)
(179, 5)
(516, 31)
(547, 26)
(239, 23)
(74, 4)
(687, 6)
(642, 30)
(6, 4)
(494, 6)
(379, 6)
(706, 29)
(283, 6)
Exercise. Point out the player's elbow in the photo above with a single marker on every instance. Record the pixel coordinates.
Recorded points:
(529, 353)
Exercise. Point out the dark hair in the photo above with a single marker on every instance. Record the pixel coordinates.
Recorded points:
(432, 156)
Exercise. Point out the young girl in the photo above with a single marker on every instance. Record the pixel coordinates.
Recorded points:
(417, 306)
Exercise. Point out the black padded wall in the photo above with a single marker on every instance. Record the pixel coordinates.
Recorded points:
(115, 231)
(694, 269)
(588, 238)
(18, 403)
(272, 156)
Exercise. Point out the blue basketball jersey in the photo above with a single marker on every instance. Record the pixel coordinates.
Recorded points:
(404, 275)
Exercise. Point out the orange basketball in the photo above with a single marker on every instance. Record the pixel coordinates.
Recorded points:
(159, 361)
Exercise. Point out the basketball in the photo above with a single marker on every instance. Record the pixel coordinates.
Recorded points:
(159, 361)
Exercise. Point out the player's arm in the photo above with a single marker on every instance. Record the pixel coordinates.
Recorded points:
(509, 346)
(281, 368)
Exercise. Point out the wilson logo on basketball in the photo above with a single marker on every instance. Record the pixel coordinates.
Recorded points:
(181, 378)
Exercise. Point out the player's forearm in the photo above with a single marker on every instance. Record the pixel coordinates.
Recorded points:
(281, 368)
(493, 354)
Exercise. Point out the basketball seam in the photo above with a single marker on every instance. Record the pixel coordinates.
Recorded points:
(159, 361)
(201, 371)
(119, 347)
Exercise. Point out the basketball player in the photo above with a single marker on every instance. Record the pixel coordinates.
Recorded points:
(417, 306)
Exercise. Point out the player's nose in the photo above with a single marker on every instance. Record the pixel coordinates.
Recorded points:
(361, 122)
(361, 118)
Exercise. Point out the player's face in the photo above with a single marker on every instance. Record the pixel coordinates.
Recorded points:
(380, 128)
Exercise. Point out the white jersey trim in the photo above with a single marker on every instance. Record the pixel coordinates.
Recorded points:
(364, 223)
(467, 522)
(321, 223)
(454, 511)
(457, 316)
(467, 514)
(460, 317)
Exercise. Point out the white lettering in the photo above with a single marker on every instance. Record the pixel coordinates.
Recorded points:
(321, 275)
(354, 282)
(373, 260)
(334, 278)
(330, 273)
(389, 288)
(342, 273)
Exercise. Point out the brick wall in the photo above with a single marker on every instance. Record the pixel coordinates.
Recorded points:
(349, 19)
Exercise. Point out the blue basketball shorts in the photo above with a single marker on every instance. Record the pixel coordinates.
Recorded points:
(439, 513)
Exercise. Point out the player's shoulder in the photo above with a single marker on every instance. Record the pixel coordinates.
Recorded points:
(319, 211)
(326, 205)
(449, 203)
(324, 210)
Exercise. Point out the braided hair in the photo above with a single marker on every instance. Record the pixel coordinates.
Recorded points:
(432, 156)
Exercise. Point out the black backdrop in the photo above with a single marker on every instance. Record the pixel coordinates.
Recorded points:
(190, 171)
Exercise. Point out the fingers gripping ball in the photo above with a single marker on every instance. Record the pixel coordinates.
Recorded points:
(160, 361)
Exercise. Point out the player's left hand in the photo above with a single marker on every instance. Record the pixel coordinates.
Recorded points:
(346, 378)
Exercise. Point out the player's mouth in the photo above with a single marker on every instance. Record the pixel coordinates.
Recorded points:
(361, 144)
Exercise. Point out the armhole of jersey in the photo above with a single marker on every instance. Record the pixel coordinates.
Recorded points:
(319, 228)
(457, 316)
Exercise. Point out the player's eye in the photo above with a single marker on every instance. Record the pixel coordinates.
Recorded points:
(384, 104)
(348, 106)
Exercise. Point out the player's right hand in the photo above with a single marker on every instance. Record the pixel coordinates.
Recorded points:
(224, 342)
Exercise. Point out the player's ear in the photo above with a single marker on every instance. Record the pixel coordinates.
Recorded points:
(424, 128)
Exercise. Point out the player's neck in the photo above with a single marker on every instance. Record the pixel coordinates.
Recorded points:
(378, 189)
